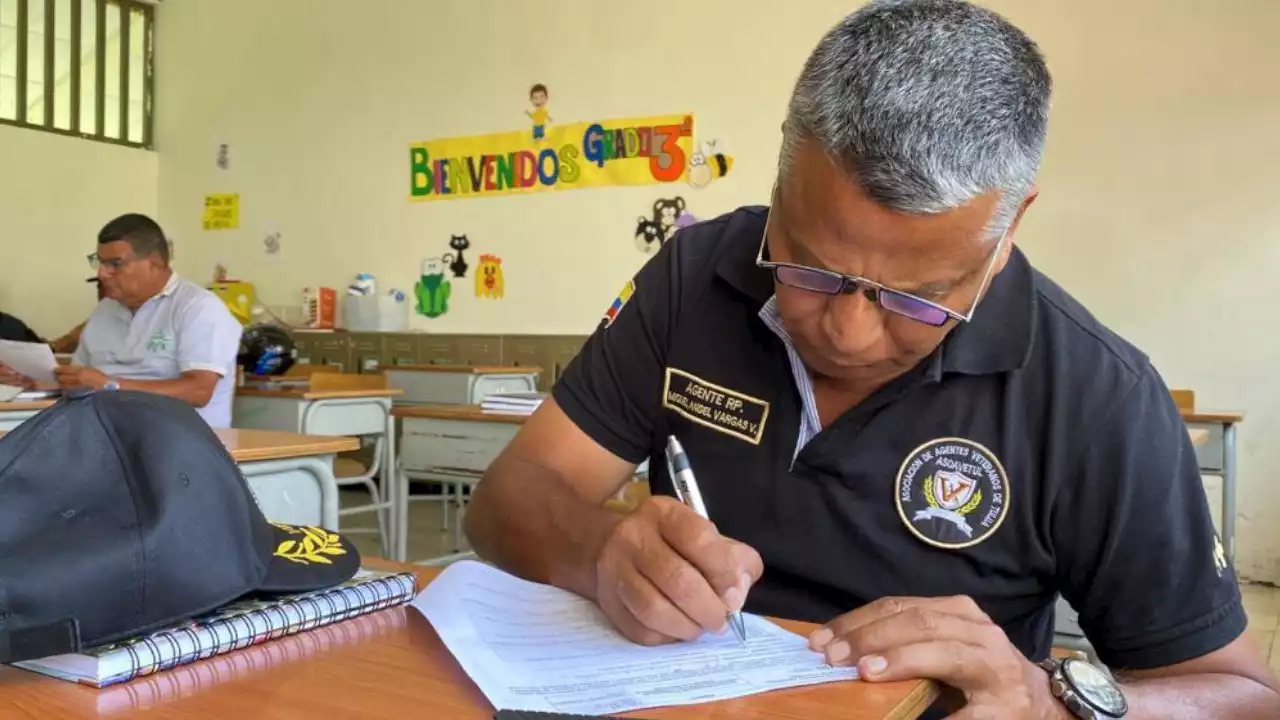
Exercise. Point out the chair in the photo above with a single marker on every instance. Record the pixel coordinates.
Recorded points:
(351, 471)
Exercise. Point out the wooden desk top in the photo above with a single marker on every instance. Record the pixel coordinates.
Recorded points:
(470, 413)
(305, 393)
(26, 405)
(250, 445)
(473, 369)
(1217, 417)
(389, 664)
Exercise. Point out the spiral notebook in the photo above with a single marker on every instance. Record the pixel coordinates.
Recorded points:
(237, 625)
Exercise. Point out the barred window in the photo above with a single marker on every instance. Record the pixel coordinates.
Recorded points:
(79, 67)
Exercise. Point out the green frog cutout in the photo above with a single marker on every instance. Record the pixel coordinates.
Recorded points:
(432, 289)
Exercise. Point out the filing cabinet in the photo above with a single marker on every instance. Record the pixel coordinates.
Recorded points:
(402, 349)
(479, 349)
(438, 350)
(366, 351)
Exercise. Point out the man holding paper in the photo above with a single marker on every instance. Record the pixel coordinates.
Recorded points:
(901, 429)
(153, 331)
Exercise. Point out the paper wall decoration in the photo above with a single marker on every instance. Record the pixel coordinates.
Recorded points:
(669, 216)
(489, 277)
(457, 264)
(591, 154)
(539, 114)
(432, 289)
(222, 212)
(709, 163)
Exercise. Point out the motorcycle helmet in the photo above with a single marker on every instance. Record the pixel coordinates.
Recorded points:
(266, 350)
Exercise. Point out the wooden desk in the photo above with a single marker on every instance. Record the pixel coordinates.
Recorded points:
(1199, 436)
(257, 445)
(389, 664)
(13, 414)
(451, 445)
(457, 384)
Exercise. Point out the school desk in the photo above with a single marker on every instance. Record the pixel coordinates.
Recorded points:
(13, 414)
(334, 404)
(457, 384)
(390, 664)
(451, 445)
(291, 475)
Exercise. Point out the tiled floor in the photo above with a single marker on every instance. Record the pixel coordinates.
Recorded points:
(428, 539)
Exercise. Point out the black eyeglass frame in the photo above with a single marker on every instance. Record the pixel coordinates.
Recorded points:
(872, 290)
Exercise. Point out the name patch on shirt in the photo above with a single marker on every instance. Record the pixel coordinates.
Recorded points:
(719, 408)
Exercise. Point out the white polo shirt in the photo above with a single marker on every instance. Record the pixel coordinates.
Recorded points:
(184, 327)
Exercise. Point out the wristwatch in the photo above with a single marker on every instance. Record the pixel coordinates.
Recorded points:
(1087, 691)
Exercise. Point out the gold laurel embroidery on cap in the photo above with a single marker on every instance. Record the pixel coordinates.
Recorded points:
(316, 543)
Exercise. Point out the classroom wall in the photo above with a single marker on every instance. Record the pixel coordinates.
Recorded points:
(56, 192)
(1156, 207)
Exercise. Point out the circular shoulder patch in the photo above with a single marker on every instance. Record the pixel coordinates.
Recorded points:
(952, 493)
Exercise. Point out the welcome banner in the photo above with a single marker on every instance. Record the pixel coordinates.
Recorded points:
(631, 151)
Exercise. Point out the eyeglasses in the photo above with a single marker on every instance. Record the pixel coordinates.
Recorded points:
(112, 264)
(828, 282)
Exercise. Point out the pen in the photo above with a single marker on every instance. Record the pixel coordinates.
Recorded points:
(687, 489)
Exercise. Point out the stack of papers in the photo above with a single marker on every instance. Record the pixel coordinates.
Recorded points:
(538, 648)
(512, 403)
(33, 360)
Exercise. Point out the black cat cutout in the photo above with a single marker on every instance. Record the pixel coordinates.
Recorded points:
(458, 265)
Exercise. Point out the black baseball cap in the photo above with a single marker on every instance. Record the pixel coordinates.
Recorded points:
(121, 513)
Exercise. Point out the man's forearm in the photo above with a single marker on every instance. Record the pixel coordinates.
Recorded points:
(1192, 697)
(528, 521)
(188, 390)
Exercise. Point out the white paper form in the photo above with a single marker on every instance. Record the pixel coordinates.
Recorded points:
(34, 360)
(535, 647)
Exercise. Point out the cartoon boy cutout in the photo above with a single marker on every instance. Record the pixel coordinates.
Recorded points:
(539, 114)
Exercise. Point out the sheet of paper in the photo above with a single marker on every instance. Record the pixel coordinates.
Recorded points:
(35, 360)
(535, 647)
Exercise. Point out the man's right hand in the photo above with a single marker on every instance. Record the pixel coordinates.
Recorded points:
(8, 376)
(667, 574)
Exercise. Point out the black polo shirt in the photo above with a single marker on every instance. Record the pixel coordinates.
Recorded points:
(1033, 453)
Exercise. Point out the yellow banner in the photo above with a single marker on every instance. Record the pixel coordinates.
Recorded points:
(635, 151)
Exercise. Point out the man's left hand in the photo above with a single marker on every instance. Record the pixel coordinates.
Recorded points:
(76, 376)
(946, 639)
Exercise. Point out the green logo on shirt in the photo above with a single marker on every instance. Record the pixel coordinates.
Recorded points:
(160, 341)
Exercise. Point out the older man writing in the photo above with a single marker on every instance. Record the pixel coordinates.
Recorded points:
(902, 430)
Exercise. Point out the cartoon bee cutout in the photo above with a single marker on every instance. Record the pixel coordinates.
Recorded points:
(708, 163)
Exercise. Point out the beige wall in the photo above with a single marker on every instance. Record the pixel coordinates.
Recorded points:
(56, 192)
(1157, 205)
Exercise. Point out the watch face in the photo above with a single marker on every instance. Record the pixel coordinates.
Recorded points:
(1095, 687)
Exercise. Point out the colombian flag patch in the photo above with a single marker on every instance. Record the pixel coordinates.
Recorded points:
(612, 313)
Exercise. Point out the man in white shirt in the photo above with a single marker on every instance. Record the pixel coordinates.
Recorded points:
(154, 331)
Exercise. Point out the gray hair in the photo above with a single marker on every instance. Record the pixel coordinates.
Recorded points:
(927, 104)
